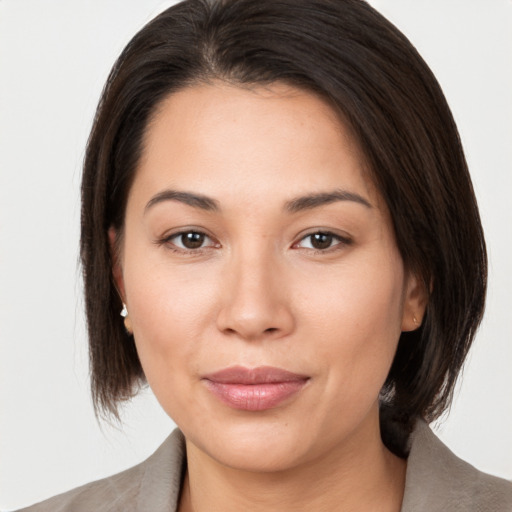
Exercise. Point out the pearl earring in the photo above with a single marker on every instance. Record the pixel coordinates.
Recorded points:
(127, 321)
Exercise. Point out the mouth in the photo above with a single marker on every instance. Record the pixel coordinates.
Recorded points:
(256, 389)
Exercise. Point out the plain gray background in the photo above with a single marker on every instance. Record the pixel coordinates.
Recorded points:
(54, 58)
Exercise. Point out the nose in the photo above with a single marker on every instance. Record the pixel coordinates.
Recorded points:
(255, 302)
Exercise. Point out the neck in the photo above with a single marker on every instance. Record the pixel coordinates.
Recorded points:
(361, 475)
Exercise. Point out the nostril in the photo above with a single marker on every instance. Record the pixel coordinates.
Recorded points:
(253, 321)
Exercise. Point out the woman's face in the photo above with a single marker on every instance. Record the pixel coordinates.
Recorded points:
(261, 276)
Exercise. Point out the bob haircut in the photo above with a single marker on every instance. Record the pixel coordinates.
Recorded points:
(347, 53)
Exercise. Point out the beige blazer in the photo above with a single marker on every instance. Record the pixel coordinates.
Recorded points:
(436, 481)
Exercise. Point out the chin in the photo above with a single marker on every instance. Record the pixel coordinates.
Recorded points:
(259, 456)
(255, 446)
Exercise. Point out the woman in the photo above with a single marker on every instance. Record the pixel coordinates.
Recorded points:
(276, 200)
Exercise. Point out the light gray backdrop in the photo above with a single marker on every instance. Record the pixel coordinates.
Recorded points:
(54, 58)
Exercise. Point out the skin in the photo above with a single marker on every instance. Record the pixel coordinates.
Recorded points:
(257, 292)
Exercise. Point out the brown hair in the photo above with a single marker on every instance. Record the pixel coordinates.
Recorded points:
(349, 54)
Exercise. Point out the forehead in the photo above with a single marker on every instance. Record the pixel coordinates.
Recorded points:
(222, 137)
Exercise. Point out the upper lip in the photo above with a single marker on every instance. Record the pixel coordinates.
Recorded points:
(259, 375)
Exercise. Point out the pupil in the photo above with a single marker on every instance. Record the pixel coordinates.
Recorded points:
(192, 240)
(321, 241)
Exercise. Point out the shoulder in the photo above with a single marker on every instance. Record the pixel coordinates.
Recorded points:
(437, 480)
(151, 485)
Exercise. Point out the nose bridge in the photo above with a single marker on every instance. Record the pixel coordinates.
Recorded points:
(255, 303)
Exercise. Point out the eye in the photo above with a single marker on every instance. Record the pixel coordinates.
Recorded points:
(190, 240)
(322, 241)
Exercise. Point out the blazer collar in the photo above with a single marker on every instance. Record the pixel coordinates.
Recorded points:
(435, 479)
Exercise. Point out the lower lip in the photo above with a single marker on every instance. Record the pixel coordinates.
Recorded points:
(255, 397)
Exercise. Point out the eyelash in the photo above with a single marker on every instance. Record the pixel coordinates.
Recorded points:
(167, 241)
(342, 241)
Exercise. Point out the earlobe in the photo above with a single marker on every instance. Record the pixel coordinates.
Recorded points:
(415, 303)
(117, 271)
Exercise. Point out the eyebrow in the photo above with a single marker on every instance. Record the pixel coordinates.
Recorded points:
(194, 200)
(295, 205)
(311, 201)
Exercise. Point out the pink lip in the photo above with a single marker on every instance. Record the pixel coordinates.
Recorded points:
(254, 389)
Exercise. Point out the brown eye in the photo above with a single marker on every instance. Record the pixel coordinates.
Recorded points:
(321, 240)
(189, 241)
(192, 240)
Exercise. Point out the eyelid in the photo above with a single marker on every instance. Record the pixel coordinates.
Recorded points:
(167, 238)
(342, 240)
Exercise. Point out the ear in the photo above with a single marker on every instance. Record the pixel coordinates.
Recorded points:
(117, 270)
(415, 303)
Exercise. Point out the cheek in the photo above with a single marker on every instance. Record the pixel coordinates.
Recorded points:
(170, 308)
(356, 322)
(363, 297)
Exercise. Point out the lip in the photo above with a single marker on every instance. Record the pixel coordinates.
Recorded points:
(254, 389)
